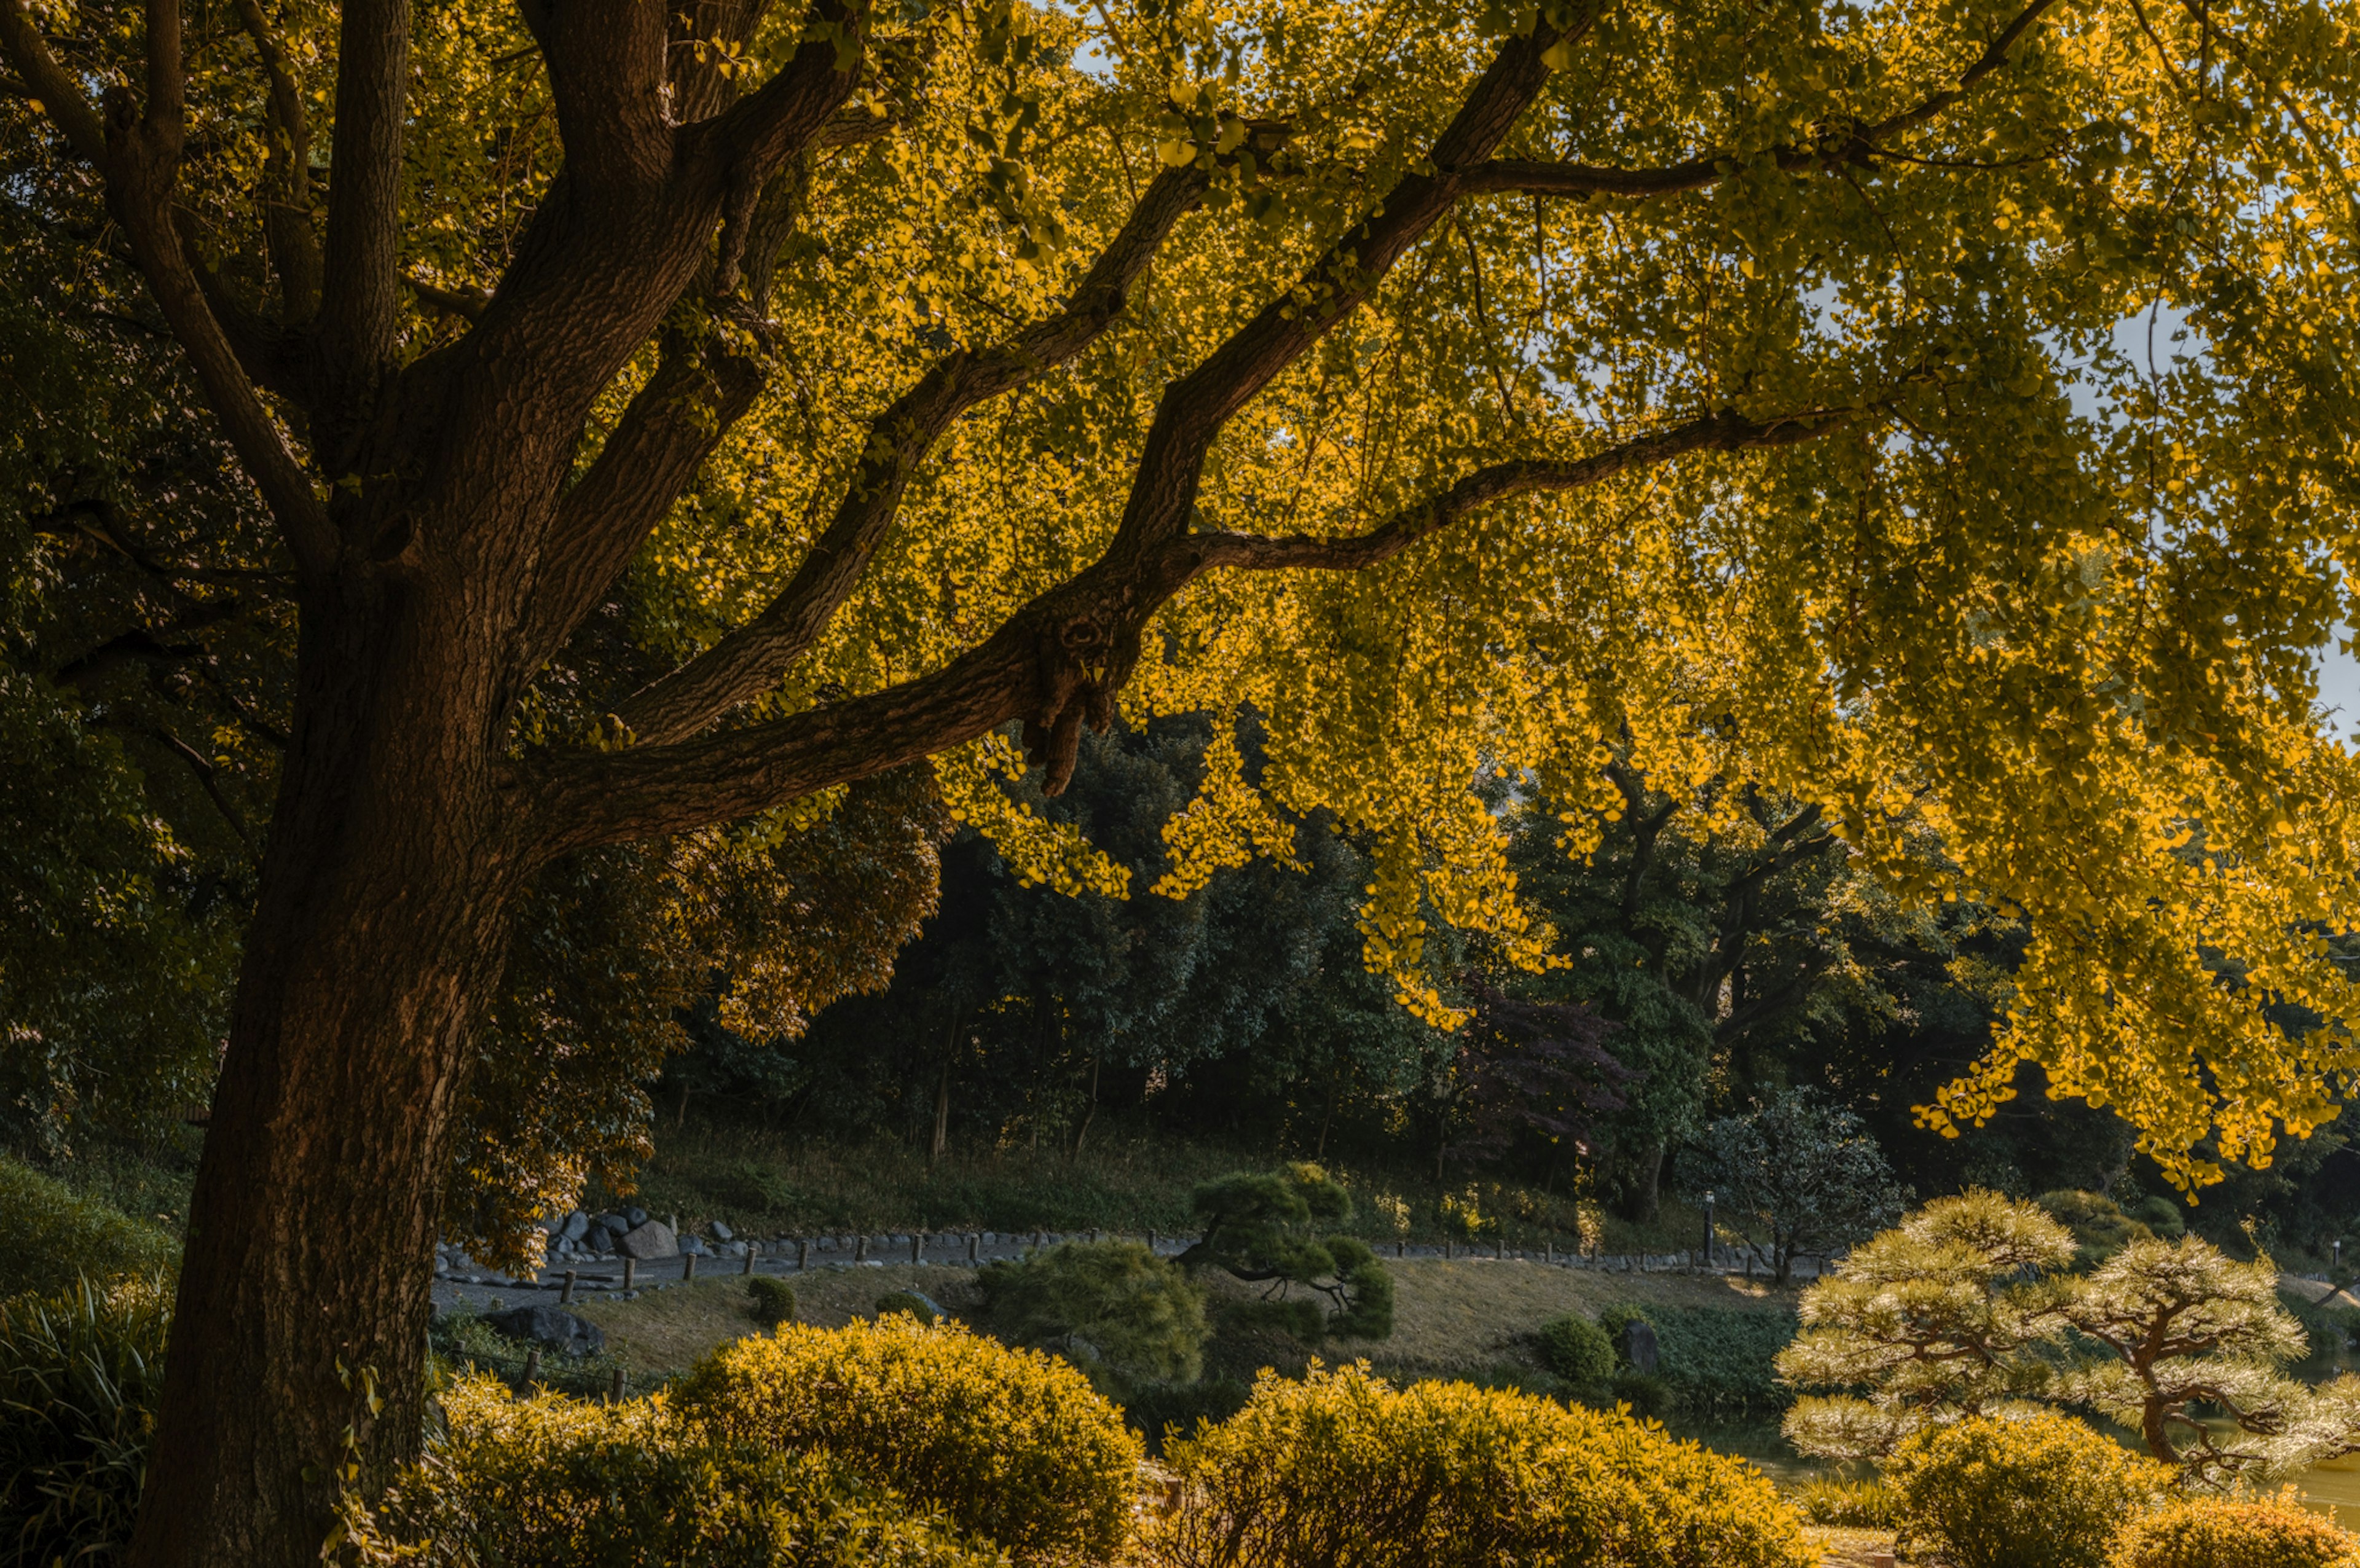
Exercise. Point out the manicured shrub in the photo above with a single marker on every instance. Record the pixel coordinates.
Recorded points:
(770, 1302)
(1012, 1444)
(1125, 1316)
(2035, 1491)
(910, 1305)
(523, 1483)
(1614, 1320)
(1721, 1362)
(2224, 1532)
(1858, 1504)
(1285, 1227)
(1343, 1471)
(1578, 1350)
(57, 1235)
(80, 1373)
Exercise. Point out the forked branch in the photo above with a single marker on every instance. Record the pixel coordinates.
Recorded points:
(595, 798)
(752, 658)
(138, 155)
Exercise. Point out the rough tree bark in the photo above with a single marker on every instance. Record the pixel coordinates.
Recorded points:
(453, 556)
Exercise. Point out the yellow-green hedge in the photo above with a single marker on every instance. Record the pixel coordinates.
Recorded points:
(1344, 1471)
(1012, 1444)
(2038, 1490)
(547, 1481)
(2220, 1533)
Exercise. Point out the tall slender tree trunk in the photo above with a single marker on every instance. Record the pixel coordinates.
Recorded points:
(1089, 1112)
(940, 1142)
(382, 919)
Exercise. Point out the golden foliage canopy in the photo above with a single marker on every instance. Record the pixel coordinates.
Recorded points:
(1942, 412)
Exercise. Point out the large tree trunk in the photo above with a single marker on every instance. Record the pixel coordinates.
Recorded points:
(1642, 1185)
(304, 1288)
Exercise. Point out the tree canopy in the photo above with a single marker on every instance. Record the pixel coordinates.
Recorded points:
(1936, 415)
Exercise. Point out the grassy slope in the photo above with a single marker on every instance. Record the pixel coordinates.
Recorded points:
(776, 1184)
(1450, 1319)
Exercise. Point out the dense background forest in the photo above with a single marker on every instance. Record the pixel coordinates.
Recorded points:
(1730, 945)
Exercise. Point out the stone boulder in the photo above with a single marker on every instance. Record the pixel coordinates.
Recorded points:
(550, 1326)
(653, 1238)
(1638, 1346)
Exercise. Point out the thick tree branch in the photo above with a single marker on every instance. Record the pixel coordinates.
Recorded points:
(752, 658)
(1195, 408)
(52, 85)
(1724, 431)
(139, 158)
(756, 135)
(467, 305)
(593, 797)
(605, 60)
(1846, 142)
(360, 291)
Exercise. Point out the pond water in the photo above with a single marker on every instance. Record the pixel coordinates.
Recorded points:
(2333, 1488)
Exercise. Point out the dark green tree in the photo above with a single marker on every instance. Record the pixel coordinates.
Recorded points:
(1281, 1228)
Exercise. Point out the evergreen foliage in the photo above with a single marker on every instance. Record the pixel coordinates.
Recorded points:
(1125, 1316)
(1578, 1350)
(771, 1302)
(2187, 1331)
(1800, 1173)
(1277, 1227)
(1946, 1314)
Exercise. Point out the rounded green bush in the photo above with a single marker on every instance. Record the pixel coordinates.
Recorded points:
(551, 1480)
(1341, 1470)
(1614, 1320)
(1578, 1350)
(2223, 1532)
(910, 1305)
(56, 1235)
(80, 1375)
(1128, 1318)
(1012, 1444)
(771, 1302)
(2035, 1491)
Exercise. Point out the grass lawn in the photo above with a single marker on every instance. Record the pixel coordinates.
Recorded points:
(1465, 1317)
(776, 1184)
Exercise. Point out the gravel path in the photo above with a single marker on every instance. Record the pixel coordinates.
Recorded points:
(461, 1284)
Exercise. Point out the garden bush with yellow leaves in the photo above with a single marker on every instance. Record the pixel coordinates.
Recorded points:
(1344, 1471)
(1012, 1445)
(552, 1480)
(2038, 1490)
(2234, 1532)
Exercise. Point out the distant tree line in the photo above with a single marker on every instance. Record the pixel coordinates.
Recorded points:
(1719, 948)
